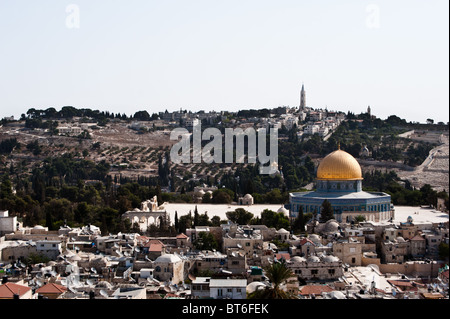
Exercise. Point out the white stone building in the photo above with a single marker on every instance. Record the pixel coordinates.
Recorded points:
(228, 288)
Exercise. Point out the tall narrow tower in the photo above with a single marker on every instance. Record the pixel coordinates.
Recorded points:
(302, 98)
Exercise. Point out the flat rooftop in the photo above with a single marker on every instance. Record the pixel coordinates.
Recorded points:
(419, 215)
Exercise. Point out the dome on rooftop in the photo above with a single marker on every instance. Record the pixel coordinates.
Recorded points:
(330, 259)
(282, 231)
(339, 165)
(252, 287)
(168, 258)
(298, 259)
(283, 210)
(331, 226)
(313, 259)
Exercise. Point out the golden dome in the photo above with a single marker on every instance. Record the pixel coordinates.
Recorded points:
(339, 165)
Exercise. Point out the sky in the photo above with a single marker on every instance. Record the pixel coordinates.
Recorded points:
(157, 55)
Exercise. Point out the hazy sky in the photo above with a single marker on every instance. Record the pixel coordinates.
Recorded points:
(125, 56)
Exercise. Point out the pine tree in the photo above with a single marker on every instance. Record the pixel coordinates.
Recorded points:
(326, 212)
(299, 222)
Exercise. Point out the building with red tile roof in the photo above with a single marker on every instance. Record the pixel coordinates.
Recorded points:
(11, 290)
(314, 290)
(51, 290)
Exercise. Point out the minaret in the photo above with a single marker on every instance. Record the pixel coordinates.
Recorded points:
(302, 98)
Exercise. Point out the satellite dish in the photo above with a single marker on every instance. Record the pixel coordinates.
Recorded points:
(72, 290)
(94, 270)
(116, 245)
(90, 282)
(76, 282)
(136, 249)
(104, 293)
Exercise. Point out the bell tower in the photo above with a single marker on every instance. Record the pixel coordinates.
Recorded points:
(302, 98)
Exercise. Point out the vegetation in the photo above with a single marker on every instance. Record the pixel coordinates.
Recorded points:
(278, 274)
(61, 185)
(326, 212)
(205, 241)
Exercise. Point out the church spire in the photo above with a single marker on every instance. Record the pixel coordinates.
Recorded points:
(302, 97)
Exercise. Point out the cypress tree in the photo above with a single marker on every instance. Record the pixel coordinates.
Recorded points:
(326, 212)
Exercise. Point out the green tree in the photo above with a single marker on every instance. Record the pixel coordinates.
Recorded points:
(360, 219)
(176, 222)
(222, 196)
(205, 241)
(299, 222)
(196, 216)
(278, 274)
(239, 216)
(274, 219)
(443, 251)
(326, 212)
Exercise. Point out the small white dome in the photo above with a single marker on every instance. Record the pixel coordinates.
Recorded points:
(283, 210)
(313, 259)
(168, 258)
(315, 239)
(330, 259)
(282, 231)
(298, 259)
(331, 226)
(252, 287)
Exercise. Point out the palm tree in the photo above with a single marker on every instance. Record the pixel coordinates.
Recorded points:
(278, 273)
